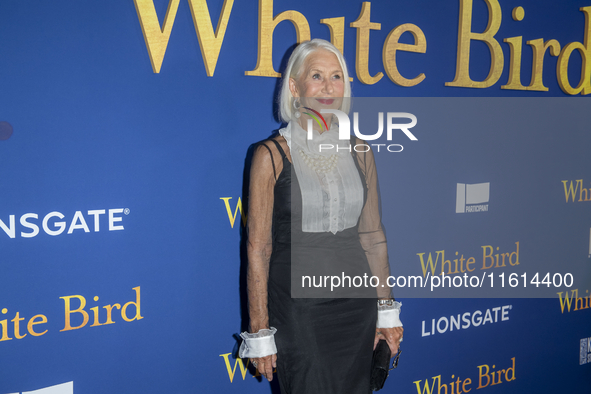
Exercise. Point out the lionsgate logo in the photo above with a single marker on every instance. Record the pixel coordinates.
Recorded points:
(55, 223)
(472, 197)
(585, 351)
(345, 129)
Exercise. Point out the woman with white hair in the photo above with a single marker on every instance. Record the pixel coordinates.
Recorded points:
(316, 211)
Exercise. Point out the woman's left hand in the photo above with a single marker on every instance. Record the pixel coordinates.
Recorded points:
(392, 335)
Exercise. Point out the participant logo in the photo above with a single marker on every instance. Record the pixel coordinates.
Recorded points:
(585, 351)
(472, 197)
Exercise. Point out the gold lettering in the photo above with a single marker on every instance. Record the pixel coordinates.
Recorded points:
(391, 45)
(467, 381)
(448, 263)
(95, 313)
(267, 24)
(505, 255)
(485, 256)
(580, 301)
(567, 301)
(210, 42)
(69, 311)
(109, 309)
(363, 26)
(137, 304)
(465, 35)
(470, 261)
(481, 375)
(518, 14)
(33, 321)
(337, 31)
(443, 386)
(156, 38)
(238, 208)
(426, 389)
(539, 48)
(231, 372)
(430, 261)
(570, 192)
(4, 325)
(584, 85)
(512, 369)
(581, 190)
(514, 81)
(516, 253)
(17, 319)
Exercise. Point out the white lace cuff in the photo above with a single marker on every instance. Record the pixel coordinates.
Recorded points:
(389, 315)
(258, 344)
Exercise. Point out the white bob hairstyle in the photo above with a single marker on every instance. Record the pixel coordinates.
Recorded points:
(294, 69)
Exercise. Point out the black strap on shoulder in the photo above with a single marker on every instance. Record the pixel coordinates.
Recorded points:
(279, 148)
(272, 161)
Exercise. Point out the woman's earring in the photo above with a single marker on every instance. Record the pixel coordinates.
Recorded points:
(296, 106)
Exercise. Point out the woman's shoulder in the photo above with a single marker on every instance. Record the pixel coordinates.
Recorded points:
(269, 153)
(273, 142)
(275, 145)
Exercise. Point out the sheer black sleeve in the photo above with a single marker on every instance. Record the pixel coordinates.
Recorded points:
(259, 227)
(371, 230)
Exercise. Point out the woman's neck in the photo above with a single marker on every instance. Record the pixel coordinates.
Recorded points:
(303, 122)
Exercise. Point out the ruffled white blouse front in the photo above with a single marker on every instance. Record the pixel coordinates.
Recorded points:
(332, 199)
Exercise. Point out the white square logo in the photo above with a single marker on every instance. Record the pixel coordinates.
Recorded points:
(472, 197)
(585, 351)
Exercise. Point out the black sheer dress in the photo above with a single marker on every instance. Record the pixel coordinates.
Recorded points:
(324, 344)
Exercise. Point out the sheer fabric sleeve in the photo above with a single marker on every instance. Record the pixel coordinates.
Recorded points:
(259, 242)
(371, 231)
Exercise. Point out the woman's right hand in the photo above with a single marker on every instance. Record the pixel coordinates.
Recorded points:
(265, 365)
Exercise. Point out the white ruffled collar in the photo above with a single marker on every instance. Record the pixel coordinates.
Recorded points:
(296, 135)
(331, 189)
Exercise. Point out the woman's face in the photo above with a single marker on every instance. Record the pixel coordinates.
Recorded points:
(320, 83)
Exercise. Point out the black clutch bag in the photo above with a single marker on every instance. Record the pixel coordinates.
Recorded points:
(379, 365)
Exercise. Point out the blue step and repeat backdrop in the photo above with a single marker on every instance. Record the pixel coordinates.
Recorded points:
(125, 135)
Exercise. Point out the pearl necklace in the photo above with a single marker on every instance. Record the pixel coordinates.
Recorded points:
(320, 164)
